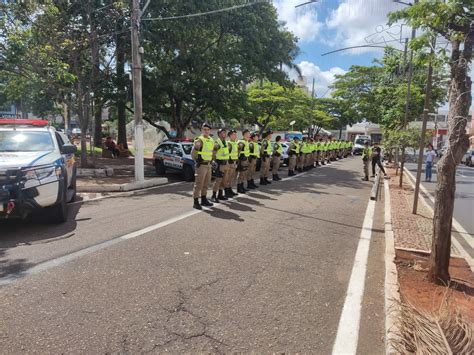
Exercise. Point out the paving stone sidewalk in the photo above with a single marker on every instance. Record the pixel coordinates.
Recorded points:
(410, 231)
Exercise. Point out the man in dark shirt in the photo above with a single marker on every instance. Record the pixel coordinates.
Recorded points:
(376, 159)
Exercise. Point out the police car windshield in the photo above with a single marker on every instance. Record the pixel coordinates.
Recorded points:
(361, 141)
(22, 141)
(187, 148)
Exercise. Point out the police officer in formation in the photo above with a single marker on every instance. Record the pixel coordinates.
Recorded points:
(203, 153)
(231, 158)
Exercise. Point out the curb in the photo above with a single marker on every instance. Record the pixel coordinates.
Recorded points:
(82, 172)
(131, 186)
(392, 288)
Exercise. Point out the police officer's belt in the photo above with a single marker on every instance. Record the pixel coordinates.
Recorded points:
(232, 161)
(204, 162)
(221, 162)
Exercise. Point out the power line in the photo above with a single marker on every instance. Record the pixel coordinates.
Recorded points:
(204, 13)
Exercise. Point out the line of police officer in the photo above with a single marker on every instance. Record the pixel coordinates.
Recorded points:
(231, 158)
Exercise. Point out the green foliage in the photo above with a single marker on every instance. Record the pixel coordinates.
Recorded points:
(378, 93)
(407, 138)
(199, 64)
(275, 106)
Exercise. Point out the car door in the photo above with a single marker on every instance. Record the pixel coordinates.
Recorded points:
(166, 154)
(69, 159)
(176, 157)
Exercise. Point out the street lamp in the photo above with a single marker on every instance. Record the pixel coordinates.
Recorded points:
(306, 3)
(403, 3)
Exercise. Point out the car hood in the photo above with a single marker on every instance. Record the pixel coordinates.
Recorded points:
(27, 159)
(358, 146)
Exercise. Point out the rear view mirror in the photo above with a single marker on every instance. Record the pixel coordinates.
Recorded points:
(68, 149)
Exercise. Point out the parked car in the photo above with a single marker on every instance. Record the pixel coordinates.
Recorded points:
(174, 155)
(37, 170)
(468, 158)
(76, 132)
(359, 142)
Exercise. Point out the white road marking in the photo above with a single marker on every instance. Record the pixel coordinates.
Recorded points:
(462, 232)
(348, 330)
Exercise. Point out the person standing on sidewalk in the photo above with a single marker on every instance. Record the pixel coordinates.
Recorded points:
(243, 166)
(203, 154)
(265, 154)
(277, 153)
(430, 159)
(222, 159)
(293, 153)
(377, 159)
(233, 146)
(366, 155)
(254, 155)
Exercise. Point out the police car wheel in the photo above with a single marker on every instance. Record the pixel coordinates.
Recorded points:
(58, 213)
(188, 173)
(160, 167)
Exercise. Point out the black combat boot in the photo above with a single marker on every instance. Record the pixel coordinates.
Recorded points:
(249, 185)
(291, 173)
(214, 197)
(240, 188)
(278, 177)
(221, 196)
(253, 184)
(232, 192)
(206, 202)
(300, 170)
(262, 181)
(267, 181)
(228, 194)
(196, 204)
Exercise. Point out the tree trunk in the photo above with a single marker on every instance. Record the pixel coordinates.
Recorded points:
(121, 84)
(458, 142)
(98, 123)
(84, 123)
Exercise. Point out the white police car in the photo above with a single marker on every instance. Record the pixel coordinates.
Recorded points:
(174, 155)
(37, 169)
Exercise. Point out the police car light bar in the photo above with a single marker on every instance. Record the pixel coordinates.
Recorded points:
(23, 122)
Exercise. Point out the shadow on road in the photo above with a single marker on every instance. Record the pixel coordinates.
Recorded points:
(37, 229)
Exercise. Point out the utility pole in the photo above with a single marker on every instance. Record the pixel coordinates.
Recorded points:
(426, 108)
(311, 129)
(407, 105)
(137, 91)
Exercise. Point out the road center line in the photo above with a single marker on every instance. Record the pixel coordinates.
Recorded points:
(348, 330)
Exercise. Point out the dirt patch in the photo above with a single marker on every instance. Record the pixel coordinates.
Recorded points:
(415, 287)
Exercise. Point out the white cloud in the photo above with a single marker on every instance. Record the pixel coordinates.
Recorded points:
(322, 79)
(302, 21)
(358, 22)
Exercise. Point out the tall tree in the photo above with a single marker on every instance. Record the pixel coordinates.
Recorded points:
(193, 65)
(453, 20)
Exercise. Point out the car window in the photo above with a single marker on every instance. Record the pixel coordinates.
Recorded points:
(24, 141)
(187, 148)
(162, 148)
(176, 150)
(60, 140)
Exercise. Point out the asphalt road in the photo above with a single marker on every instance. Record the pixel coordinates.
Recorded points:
(144, 272)
(464, 202)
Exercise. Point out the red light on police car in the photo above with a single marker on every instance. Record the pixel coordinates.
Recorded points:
(23, 122)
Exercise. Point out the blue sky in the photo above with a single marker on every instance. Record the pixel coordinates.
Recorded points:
(333, 24)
